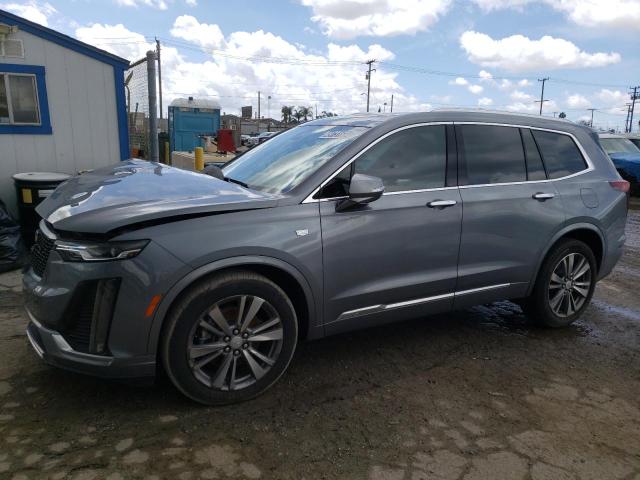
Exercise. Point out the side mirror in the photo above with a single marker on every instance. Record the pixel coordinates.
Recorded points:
(363, 189)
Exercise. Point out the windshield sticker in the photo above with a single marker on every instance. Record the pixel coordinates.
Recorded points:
(336, 132)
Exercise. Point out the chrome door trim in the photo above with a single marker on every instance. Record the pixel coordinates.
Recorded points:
(482, 289)
(358, 312)
(587, 159)
(310, 198)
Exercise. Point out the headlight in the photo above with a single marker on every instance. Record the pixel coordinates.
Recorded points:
(99, 252)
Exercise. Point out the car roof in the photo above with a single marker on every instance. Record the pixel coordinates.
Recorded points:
(448, 115)
(611, 135)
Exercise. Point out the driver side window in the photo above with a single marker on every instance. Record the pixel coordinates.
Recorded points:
(411, 159)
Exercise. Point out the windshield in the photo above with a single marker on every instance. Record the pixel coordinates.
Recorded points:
(286, 160)
(616, 145)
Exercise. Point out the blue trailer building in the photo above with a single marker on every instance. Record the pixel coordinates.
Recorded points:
(189, 119)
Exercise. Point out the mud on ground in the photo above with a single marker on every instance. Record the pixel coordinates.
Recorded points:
(479, 394)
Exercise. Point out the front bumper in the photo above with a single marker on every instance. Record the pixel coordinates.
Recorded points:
(54, 350)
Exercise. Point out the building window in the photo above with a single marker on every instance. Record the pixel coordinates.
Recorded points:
(11, 48)
(18, 99)
(23, 100)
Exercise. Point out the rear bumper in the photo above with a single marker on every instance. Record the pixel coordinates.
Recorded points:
(54, 350)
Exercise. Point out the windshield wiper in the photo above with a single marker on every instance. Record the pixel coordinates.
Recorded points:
(238, 182)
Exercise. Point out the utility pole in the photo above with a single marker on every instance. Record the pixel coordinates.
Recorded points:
(258, 111)
(370, 63)
(153, 106)
(591, 110)
(634, 96)
(159, 76)
(626, 122)
(268, 113)
(542, 100)
(392, 103)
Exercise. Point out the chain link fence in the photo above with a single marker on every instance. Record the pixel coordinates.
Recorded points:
(137, 91)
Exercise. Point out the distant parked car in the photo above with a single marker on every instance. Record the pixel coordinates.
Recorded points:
(625, 155)
(253, 141)
(635, 139)
(244, 139)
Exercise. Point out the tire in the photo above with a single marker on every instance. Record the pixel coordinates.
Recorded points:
(196, 347)
(542, 305)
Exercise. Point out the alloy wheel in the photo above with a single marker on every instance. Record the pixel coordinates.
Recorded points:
(569, 285)
(235, 342)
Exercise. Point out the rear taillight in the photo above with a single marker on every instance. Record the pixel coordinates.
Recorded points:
(620, 185)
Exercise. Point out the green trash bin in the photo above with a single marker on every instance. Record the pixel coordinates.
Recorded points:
(31, 189)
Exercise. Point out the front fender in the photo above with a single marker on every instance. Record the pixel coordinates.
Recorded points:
(315, 330)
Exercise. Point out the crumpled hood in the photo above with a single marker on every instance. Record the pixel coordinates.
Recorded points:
(629, 162)
(135, 191)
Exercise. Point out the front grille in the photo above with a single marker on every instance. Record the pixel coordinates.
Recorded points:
(40, 252)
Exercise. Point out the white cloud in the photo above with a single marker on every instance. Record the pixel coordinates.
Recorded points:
(519, 96)
(459, 81)
(485, 76)
(345, 19)
(205, 35)
(485, 101)
(577, 101)
(37, 12)
(333, 85)
(588, 13)
(520, 53)
(549, 106)
(613, 101)
(475, 89)
(159, 4)
(116, 39)
(192, 3)
(524, 83)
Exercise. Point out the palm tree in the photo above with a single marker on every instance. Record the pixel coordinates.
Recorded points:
(286, 113)
(303, 112)
(299, 113)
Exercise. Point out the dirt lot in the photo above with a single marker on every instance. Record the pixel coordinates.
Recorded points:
(479, 394)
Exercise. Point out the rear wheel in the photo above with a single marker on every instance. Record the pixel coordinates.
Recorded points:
(564, 286)
(230, 338)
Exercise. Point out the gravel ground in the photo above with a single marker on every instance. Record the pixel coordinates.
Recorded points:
(479, 394)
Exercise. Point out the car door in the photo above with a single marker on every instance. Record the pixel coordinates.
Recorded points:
(397, 256)
(510, 212)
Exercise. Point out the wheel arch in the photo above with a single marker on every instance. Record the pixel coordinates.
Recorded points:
(585, 232)
(285, 275)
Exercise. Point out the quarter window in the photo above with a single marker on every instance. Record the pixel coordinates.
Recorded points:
(492, 154)
(535, 168)
(18, 100)
(560, 153)
(411, 159)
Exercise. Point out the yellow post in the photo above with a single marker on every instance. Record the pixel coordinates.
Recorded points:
(166, 153)
(199, 154)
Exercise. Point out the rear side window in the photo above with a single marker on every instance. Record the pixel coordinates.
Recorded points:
(492, 154)
(411, 159)
(535, 169)
(560, 154)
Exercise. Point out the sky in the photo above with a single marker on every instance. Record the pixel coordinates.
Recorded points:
(428, 53)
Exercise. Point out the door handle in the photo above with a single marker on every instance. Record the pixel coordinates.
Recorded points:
(543, 196)
(441, 204)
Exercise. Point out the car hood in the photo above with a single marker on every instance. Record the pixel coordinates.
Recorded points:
(136, 191)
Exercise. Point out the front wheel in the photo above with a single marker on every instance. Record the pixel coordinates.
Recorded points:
(564, 286)
(229, 338)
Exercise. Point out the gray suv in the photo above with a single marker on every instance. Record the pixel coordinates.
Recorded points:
(338, 224)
